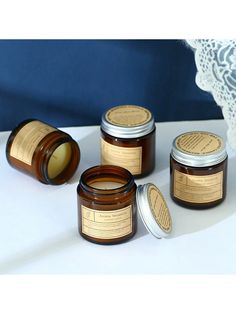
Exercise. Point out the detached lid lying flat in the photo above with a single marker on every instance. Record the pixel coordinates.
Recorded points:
(153, 210)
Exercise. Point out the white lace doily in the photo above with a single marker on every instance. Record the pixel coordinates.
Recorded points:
(216, 66)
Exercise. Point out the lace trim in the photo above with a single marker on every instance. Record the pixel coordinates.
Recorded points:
(216, 66)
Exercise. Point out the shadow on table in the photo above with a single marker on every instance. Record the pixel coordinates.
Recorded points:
(189, 221)
(90, 154)
(141, 230)
(12, 263)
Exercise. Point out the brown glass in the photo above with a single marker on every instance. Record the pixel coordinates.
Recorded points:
(148, 144)
(197, 171)
(107, 200)
(42, 154)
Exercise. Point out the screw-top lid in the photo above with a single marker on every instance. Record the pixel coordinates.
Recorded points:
(198, 149)
(127, 121)
(153, 210)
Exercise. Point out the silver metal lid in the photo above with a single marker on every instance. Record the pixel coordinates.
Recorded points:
(153, 210)
(198, 149)
(127, 121)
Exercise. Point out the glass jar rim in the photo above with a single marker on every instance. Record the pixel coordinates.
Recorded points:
(64, 175)
(106, 171)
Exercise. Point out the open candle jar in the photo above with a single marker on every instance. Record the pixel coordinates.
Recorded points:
(108, 199)
(46, 153)
(198, 170)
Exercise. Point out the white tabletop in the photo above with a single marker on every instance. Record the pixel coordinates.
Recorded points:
(38, 225)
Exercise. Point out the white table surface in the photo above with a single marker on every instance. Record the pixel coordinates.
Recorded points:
(38, 223)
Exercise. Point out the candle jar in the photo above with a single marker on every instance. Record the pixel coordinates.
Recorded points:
(44, 152)
(107, 206)
(198, 170)
(128, 139)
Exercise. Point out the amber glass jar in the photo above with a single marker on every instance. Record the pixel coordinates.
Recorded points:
(198, 170)
(128, 139)
(107, 211)
(44, 152)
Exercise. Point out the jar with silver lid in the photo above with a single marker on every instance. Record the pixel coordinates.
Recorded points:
(198, 170)
(128, 139)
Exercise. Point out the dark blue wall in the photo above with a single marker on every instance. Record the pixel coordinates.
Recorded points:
(68, 83)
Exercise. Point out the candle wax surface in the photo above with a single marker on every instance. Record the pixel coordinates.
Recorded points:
(106, 185)
(59, 160)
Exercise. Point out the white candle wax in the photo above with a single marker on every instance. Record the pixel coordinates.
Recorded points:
(107, 185)
(59, 160)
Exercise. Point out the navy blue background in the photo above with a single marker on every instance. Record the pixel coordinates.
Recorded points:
(70, 83)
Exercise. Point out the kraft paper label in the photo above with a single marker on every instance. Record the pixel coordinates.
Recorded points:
(199, 143)
(198, 189)
(27, 139)
(129, 158)
(128, 116)
(106, 224)
(159, 208)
